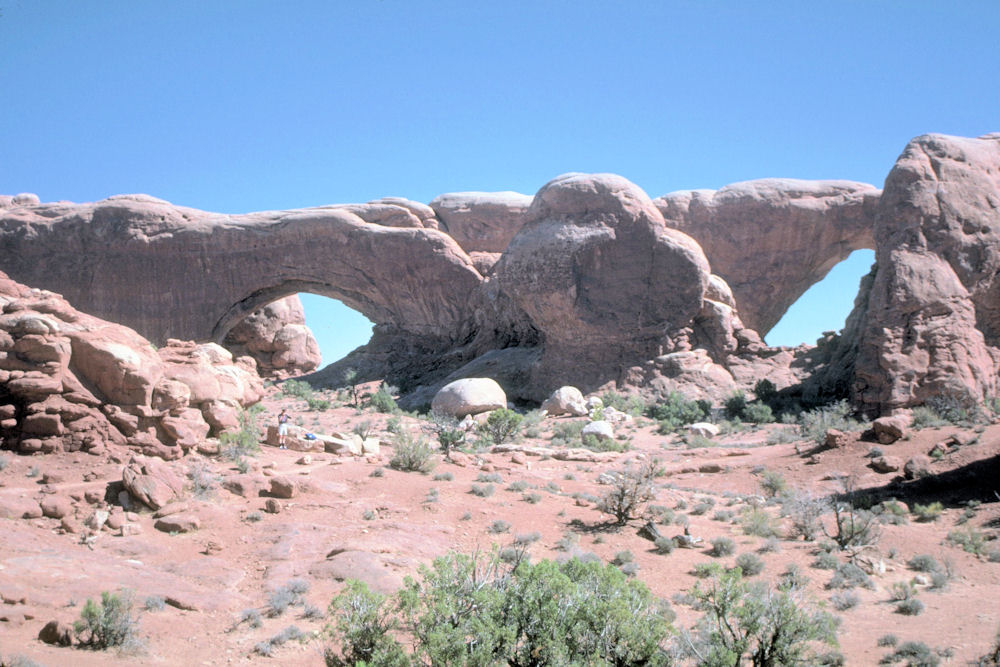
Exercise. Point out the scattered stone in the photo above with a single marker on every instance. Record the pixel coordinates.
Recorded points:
(93, 497)
(890, 429)
(304, 460)
(152, 482)
(519, 458)
(171, 508)
(97, 520)
(710, 468)
(52, 478)
(56, 507)
(272, 506)
(835, 439)
(602, 430)
(130, 529)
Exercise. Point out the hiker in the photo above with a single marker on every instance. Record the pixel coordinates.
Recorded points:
(282, 429)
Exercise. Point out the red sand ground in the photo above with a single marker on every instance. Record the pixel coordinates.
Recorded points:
(321, 536)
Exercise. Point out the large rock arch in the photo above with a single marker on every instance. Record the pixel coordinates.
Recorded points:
(173, 272)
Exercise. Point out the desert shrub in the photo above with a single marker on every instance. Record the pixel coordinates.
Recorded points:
(804, 510)
(910, 607)
(758, 413)
(108, 623)
(706, 570)
(792, 578)
(853, 526)
(751, 564)
(567, 434)
(844, 600)
(723, 546)
(443, 477)
(383, 400)
(815, 423)
(770, 627)
(154, 603)
(756, 521)
(500, 526)
(632, 488)
(363, 623)
(202, 480)
(765, 391)
(350, 381)
(664, 545)
(4, 462)
(472, 610)
(532, 498)
(297, 389)
(929, 512)
(317, 404)
(448, 431)
(432, 496)
(825, 561)
(699, 442)
(913, 654)
(887, 640)
(235, 445)
(377, 472)
(493, 477)
(924, 563)
(891, 512)
(593, 443)
(849, 575)
(482, 490)
(770, 545)
(954, 409)
(519, 486)
(676, 411)
(411, 455)
(633, 405)
(735, 404)
(970, 540)
(772, 483)
(663, 515)
(702, 507)
(992, 657)
(500, 426)
(251, 617)
(527, 538)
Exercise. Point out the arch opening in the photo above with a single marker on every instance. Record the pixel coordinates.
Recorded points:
(338, 328)
(825, 305)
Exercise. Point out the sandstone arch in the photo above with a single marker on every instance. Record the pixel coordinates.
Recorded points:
(772, 239)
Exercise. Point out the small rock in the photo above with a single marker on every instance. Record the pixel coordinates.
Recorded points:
(129, 529)
(835, 439)
(710, 468)
(211, 547)
(519, 458)
(70, 525)
(704, 429)
(171, 508)
(886, 464)
(602, 430)
(282, 487)
(97, 520)
(938, 450)
(52, 478)
(486, 467)
(56, 507)
(93, 497)
(459, 458)
(890, 429)
(272, 505)
(917, 466)
(57, 633)
(305, 460)
(178, 523)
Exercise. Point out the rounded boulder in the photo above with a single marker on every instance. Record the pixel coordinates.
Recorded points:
(469, 396)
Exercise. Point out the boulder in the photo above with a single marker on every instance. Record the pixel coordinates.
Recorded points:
(602, 430)
(469, 396)
(835, 439)
(917, 466)
(283, 487)
(565, 401)
(57, 633)
(277, 338)
(56, 507)
(890, 429)
(703, 429)
(151, 482)
(886, 464)
(178, 523)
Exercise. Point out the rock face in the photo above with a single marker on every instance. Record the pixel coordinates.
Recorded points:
(277, 338)
(927, 320)
(588, 283)
(772, 239)
(70, 382)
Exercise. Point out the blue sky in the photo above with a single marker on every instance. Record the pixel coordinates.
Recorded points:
(252, 105)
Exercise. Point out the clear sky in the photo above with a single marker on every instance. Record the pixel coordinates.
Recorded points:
(242, 105)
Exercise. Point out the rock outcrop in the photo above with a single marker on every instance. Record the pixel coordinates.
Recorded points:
(277, 337)
(70, 382)
(588, 283)
(927, 321)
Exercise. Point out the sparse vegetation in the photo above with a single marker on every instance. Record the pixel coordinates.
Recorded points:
(969, 539)
(929, 512)
(815, 423)
(109, 623)
(632, 488)
(723, 546)
(500, 426)
(448, 431)
(384, 400)
(750, 563)
(245, 442)
(411, 455)
(482, 490)
(676, 411)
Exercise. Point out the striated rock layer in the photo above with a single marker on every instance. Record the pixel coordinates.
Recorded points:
(588, 283)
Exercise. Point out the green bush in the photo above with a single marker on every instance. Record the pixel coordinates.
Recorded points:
(296, 389)
(772, 483)
(676, 411)
(500, 426)
(751, 564)
(235, 445)
(411, 455)
(567, 433)
(815, 423)
(748, 619)
(929, 512)
(723, 546)
(632, 488)
(735, 405)
(758, 413)
(475, 611)
(364, 621)
(633, 405)
(383, 401)
(108, 623)
(970, 540)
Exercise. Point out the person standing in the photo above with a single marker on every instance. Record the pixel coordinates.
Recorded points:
(282, 429)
